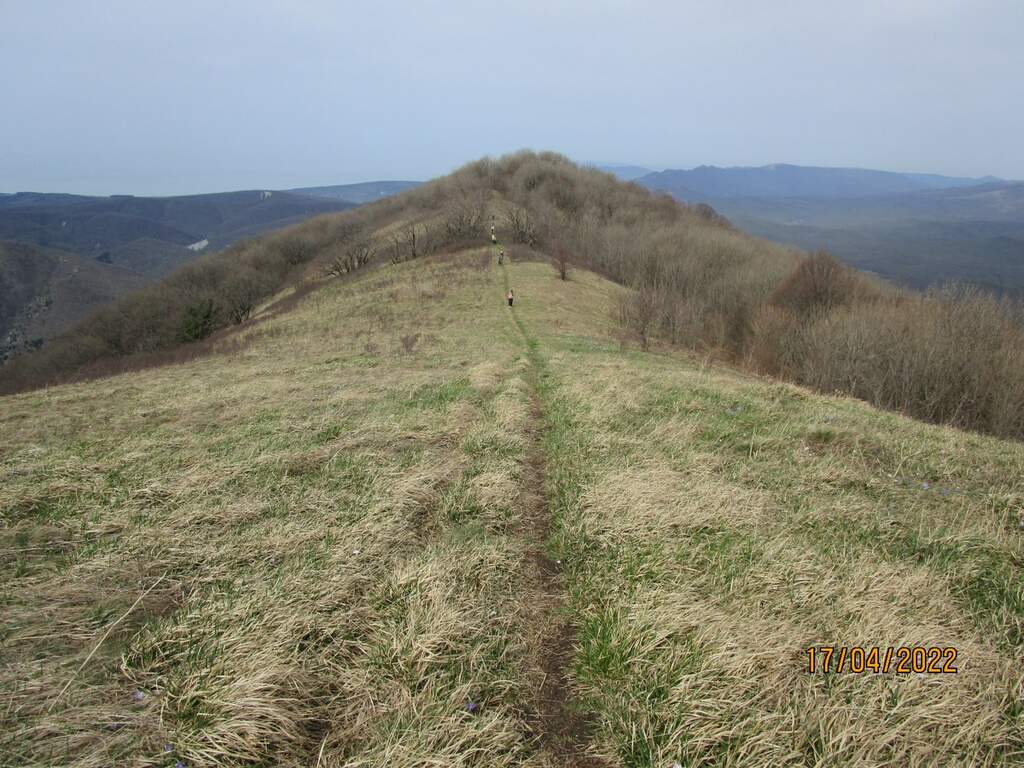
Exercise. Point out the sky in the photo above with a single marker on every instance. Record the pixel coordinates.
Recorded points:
(146, 97)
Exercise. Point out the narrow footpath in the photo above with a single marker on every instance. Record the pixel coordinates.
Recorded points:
(562, 731)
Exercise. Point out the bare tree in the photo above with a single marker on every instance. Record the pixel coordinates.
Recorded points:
(638, 311)
(562, 259)
(355, 255)
(409, 242)
(241, 296)
(294, 249)
(464, 218)
(522, 227)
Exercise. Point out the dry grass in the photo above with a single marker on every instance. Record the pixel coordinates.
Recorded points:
(716, 526)
(325, 529)
(329, 528)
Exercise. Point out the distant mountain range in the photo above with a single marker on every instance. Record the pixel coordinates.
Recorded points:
(365, 192)
(709, 182)
(916, 229)
(624, 172)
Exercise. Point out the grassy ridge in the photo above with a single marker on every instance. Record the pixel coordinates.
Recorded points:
(307, 550)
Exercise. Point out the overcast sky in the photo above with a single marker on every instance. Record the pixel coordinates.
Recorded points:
(145, 97)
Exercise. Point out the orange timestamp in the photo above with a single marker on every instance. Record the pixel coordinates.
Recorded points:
(901, 660)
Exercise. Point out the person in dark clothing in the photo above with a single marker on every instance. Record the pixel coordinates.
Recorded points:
(511, 297)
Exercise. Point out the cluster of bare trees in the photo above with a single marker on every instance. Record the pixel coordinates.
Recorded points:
(950, 356)
(350, 256)
(410, 242)
(463, 218)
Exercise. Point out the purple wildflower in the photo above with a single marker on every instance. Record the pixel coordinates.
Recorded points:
(472, 707)
(138, 696)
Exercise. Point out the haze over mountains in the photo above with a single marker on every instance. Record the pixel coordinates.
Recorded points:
(784, 180)
(365, 192)
(915, 229)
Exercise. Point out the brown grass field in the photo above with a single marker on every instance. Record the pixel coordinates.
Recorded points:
(401, 525)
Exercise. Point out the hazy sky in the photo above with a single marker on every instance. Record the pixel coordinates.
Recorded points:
(145, 97)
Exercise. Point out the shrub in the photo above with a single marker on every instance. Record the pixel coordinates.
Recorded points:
(200, 320)
(351, 256)
(819, 283)
(294, 249)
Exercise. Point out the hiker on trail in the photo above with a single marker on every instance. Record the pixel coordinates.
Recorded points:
(510, 297)
(501, 256)
(494, 237)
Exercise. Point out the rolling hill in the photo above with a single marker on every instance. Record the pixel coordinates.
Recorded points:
(918, 230)
(389, 519)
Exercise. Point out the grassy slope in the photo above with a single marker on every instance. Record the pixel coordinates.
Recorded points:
(716, 526)
(325, 529)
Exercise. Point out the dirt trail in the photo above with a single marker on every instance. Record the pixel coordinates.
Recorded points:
(561, 730)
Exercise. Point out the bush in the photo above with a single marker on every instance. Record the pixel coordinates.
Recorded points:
(294, 249)
(819, 283)
(200, 320)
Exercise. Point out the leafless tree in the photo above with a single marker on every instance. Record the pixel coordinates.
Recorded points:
(409, 242)
(352, 256)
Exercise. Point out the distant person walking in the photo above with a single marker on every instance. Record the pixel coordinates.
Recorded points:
(511, 297)
(501, 256)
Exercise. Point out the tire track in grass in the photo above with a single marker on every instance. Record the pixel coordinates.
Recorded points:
(561, 729)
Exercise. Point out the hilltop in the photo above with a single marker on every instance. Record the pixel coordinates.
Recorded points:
(387, 519)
